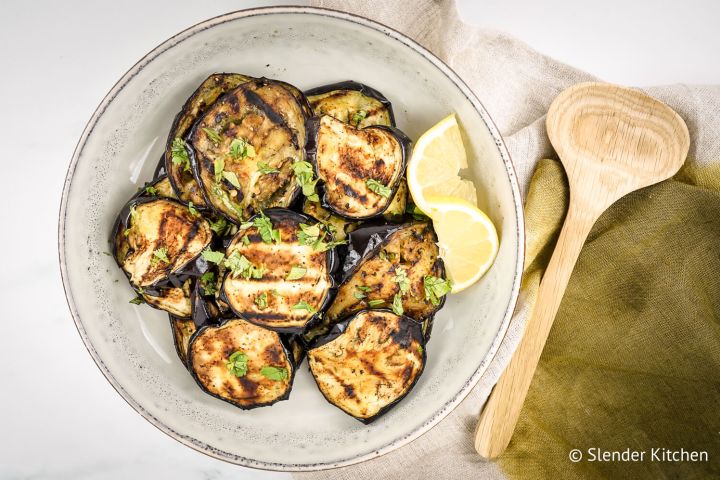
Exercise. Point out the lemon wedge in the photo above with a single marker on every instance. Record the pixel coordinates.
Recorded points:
(435, 164)
(467, 239)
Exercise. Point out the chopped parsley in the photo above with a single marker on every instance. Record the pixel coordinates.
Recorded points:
(237, 363)
(160, 255)
(240, 266)
(179, 154)
(212, 135)
(241, 148)
(245, 240)
(303, 305)
(296, 272)
(261, 301)
(304, 177)
(220, 226)
(264, 226)
(361, 293)
(416, 213)
(274, 373)
(137, 300)
(314, 236)
(358, 117)
(397, 306)
(218, 168)
(265, 168)
(402, 280)
(150, 190)
(193, 210)
(375, 303)
(232, 178)
(207, 282)
(378, 188)
(436, 288)
(213, 257)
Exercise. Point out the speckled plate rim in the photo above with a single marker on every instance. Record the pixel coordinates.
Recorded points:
(447, 71)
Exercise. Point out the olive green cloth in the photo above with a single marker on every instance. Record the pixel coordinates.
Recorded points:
(633, 360)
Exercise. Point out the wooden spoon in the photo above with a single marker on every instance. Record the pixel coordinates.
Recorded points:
(611, 141)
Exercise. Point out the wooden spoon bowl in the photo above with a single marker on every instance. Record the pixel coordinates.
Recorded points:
(611, 141)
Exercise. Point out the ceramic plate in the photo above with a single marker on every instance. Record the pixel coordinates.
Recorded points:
(120, 147)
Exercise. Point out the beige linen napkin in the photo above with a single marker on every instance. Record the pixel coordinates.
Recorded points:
(516, 85)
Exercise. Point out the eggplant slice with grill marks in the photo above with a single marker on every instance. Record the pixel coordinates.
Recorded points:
(241, 363)
(174, 300)
(156, 240)
(244, 148)
(182, 330)
(389, 261)
(177, 162)
(281, 279)
(369, 362)
(353, 103)
(359, 170)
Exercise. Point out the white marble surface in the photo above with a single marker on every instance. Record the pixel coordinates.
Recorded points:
(59, 418)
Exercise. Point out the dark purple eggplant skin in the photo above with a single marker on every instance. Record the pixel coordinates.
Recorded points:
(160, 170)
(286, 349)
(312, 127)
(414, 331)
(333, 262)
(194, 268)
(194, 160)
(358, 87)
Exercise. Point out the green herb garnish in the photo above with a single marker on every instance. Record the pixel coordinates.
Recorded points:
(264, 226)
(245, 240)
(213, 257)
(218, 168)
(362, 290)
(261, 301)
(179, 154)
(378, 188)
(218, 192)
(375, 303)
(303, 305)
(159, 255)
(436, 288)
(137, 300)
(265, 168)
(304, 177)
(313, 235)
(207, 282)
(241, 148)
(232, 178)
(237, 363)
(416, 213)
(397, 306)
(296, 272)
(240, 266)
(358, 117)
(193, 210)
(402, 280)
(274, 373)
(219, 226)
(212, 135)
(150, 190)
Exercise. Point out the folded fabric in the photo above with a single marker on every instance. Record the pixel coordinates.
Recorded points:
(633, 360)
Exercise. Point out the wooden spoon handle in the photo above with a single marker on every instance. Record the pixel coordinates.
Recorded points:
(502, 410)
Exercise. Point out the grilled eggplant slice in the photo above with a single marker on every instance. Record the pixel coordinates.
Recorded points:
(368, 363)
(177, 162)
(339, 226)
(384, 260)
(244, 147)
(174, 300)
(284, 280)
(241, 363)
(353, 103)
(359, 170)
(182, 330)
(156, 239)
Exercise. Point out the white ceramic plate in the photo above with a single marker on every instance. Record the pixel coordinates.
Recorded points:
(121, 145)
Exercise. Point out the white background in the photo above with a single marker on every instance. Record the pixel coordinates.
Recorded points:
(59, 418)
